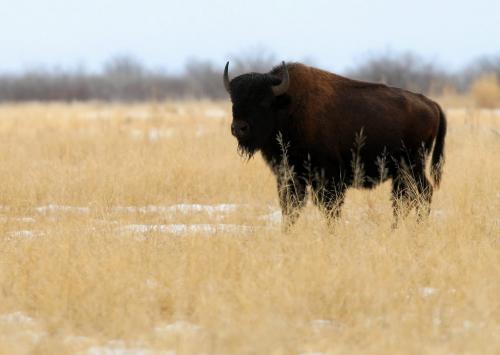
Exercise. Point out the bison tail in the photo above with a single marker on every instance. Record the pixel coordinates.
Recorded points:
(438, 152)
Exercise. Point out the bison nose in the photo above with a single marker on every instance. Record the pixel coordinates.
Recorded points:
(240, 129)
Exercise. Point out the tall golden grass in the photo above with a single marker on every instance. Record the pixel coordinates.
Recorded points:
(84, 269)
(486, 91)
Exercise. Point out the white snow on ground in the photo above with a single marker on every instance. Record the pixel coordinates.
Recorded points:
(157, 134)
(152, 283)
(22, 234)
(215, 113)
(78, 339)
(439, 213)
(495, 112)
(273, 217)
(26, 326)
(200, 131)
(25, 219)
(18, 219)
(182, 208)
(181, 229)
(216, 212)
(119, 349)
(61, 208)
(153, 134)
(18, 318)
(427, 291)
(321, 324)
(177, 327)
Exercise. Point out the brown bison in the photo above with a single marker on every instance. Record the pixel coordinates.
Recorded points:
(318, 129)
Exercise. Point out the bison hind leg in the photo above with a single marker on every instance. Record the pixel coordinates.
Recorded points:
(411, 189)
(424, 196)
(401, 200)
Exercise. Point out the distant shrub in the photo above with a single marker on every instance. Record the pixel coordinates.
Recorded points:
(124, 78)
(486, 91)
(404, 70)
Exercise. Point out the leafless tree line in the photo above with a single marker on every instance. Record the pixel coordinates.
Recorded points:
(125, 79)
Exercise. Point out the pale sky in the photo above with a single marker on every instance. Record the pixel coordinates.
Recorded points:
(335, 35)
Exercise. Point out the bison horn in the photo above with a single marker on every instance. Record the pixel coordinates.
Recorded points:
(226, 77)
(282, 87)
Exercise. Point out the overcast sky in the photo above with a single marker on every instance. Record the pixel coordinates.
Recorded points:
(334, 34)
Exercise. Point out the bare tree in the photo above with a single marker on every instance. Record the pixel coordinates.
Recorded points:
(124, 78)
(404, 70)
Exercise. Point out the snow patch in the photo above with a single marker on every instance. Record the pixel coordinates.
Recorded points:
(25, 219)
(427, 291)
(215, 113)
(119, 350)
(440, 213)
(22, 234)
(152, 283)
(17, 317)
(153, 134)
(78, 339)
(157, 134)
(178, 327)
(273, 217)
(61, 208)
(181, 208)
(18, 219)
(181, 229)
(119, 347)
(321, 323)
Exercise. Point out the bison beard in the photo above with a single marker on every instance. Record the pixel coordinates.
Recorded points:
(246, 150)
(319, 117)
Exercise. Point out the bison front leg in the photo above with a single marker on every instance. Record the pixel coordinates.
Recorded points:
(329, 197)
(292, 195)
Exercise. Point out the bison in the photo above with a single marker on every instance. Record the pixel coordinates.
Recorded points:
(322, 130)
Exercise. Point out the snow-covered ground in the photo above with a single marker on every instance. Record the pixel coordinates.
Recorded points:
(184, 208)
(181, 229)
(212, 213)
(61, 208)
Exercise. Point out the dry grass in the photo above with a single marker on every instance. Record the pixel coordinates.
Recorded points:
(86, 280)
(486, 91)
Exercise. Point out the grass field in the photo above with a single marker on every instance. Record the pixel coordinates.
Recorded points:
(138, 229)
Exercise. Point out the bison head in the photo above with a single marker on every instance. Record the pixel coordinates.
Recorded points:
(258, 101)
